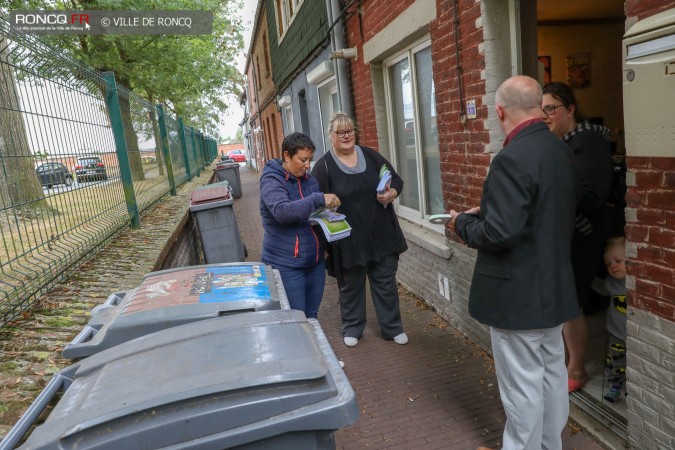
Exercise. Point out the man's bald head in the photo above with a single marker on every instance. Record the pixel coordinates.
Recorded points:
(518, 99)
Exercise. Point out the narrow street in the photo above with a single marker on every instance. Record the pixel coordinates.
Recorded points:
(436, 392)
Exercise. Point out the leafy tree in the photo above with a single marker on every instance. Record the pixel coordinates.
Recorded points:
(237, 139)
(193, 75)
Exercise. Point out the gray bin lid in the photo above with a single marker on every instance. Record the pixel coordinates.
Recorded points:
(226, 165)
(209, 186)
(174, 297)
(215, 384)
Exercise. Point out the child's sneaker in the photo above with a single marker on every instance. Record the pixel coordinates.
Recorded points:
(614, 393)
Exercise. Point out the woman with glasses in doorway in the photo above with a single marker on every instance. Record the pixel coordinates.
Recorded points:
(594, 167)
(372, 249)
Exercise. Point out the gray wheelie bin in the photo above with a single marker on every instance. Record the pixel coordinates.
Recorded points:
(175, 297)
(230, 172)
(265, 380)
(218, 228)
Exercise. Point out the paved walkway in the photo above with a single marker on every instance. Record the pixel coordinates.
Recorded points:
(436, 392)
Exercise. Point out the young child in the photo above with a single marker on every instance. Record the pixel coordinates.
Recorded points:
(615, 287)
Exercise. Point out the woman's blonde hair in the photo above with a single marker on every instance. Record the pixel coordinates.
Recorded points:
(339, 119)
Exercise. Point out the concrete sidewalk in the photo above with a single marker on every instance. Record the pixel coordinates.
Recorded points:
(436, 392)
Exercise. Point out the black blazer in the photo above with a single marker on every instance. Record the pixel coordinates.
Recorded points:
(523, 275)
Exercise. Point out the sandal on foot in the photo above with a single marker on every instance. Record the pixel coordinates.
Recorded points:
(575, 385)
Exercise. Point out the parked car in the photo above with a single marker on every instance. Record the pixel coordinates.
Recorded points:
(237, 155)
(410, 132)
(90, 168)
(53, 173)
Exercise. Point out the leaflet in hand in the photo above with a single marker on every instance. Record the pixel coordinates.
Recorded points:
(328, 214)
(385, 180)
(333, 224)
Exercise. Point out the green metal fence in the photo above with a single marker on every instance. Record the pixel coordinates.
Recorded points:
(80, 158)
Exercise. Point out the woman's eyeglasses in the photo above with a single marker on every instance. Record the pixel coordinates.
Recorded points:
(550, 109)
(344, 133)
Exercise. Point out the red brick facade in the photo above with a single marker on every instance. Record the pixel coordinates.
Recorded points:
(652, 229)
(646, 8)
(273, 131)
(263, 112)
(376, 14)
(464, 161)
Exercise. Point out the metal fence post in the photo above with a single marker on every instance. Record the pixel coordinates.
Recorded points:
(194, 150)
(165, 148)
(183, 144)
(200, 141)
(206, 156)
(113, 102)
(200, 150)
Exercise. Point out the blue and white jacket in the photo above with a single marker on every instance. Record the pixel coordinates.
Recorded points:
(285, 204)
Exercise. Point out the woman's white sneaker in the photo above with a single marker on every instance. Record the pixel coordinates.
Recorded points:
(401, 339)
(351, 341)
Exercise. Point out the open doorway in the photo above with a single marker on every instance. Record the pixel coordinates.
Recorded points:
(579, 43)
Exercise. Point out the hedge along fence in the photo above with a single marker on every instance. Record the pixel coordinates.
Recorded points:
(80, 158)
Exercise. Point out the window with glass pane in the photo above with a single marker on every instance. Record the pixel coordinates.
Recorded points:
(412, 109)
(404, 131)
(286, 10)
(328, 102)
(428, 133)
(289, 120)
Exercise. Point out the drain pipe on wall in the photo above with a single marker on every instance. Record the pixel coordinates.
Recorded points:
(337, 42)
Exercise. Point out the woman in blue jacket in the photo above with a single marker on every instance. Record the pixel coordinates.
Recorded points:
(288, 195)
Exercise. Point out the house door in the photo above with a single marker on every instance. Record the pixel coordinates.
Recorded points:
(579, 43)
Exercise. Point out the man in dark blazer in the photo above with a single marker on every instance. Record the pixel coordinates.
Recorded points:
(523, 286)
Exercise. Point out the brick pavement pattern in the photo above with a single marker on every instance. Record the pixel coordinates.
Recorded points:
(436, 392)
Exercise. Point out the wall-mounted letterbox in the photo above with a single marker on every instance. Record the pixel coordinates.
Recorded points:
(649, 86)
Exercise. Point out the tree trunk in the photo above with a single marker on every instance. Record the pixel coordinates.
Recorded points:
(20, 187)
(158, 138)
(131, 139)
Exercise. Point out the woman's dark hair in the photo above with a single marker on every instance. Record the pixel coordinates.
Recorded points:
(565, 95)
(295, 142)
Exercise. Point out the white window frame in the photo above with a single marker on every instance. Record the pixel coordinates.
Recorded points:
(288, 114)
(409, 52)
(286, 18)
(319, 86)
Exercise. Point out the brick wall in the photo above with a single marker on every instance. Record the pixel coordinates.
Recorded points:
(273, 130)
(650, 230)
(464, 160)
(252, 91)
(421, 272)
(183, 248)
(651, 380)
(263, 71)
(639, 9)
